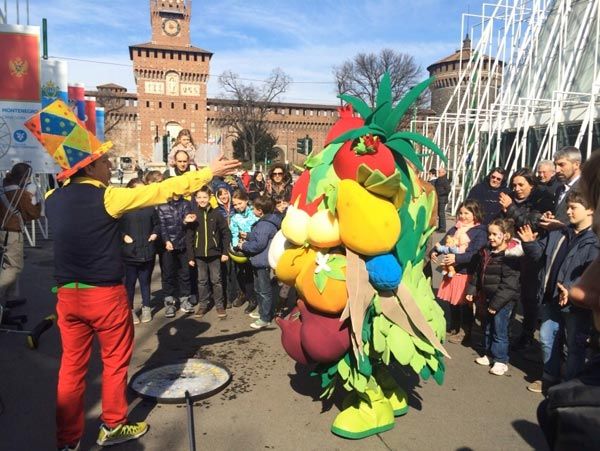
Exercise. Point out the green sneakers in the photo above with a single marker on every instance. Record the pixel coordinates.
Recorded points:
(121, 433)
(369, 414)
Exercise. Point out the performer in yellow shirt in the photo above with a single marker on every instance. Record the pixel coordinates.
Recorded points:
(83, 215)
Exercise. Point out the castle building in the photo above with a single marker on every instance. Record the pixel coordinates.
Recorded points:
(171, 82)
(171, 77)
(447, 72)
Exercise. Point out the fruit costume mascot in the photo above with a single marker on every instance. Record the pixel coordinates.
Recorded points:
(353, 244)
(92, 301)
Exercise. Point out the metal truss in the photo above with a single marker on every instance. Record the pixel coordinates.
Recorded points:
(545, 96)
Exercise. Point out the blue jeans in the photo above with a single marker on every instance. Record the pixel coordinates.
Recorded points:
(143, 273)
(572, 328)
(495, 337)
(264, 293)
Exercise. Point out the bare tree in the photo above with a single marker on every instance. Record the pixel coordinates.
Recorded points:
(360, 76)
(250, 105)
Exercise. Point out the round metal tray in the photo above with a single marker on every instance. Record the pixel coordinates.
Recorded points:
(168, 383)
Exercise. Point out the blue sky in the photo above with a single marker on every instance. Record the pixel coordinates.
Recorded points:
(304, 38)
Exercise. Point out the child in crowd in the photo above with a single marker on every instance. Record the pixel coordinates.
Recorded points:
(139, 230)
(228, 276)
(241, 223)
(285, 291)
(256, 245)
(176, 273)
(153, 177)
(567, 253)
(281, 204)
(468, 230)
(207, 243)
(496, 280)
(184, 141)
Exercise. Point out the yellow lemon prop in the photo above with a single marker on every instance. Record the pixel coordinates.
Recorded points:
(369, 225)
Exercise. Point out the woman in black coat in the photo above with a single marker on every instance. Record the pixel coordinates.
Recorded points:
(257, 186)
(525, 206)
(139, 231)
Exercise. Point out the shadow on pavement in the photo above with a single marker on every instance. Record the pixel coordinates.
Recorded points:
(531, 433)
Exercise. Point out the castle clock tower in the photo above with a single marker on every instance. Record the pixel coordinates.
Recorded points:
(171, 77)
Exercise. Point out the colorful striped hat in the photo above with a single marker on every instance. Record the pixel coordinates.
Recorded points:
(66, 138)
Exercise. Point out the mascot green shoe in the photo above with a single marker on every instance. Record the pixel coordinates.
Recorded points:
(369, 414)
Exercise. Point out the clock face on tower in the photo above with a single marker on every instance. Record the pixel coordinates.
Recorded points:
(171, 27)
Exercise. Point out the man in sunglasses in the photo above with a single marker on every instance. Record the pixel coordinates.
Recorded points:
(487, 193)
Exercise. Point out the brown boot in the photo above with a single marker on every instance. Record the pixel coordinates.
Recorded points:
(457, 338)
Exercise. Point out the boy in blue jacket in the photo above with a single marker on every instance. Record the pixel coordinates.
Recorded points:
(172, 217)
(567, 253)
(256, 245)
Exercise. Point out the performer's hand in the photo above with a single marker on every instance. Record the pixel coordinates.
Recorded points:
(169, 246)
(221, 166)
(192, 263)
(224, 258)
(190, 217)
(127, 239)
(153, 237)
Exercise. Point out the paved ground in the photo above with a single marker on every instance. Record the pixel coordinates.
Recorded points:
(270, 403)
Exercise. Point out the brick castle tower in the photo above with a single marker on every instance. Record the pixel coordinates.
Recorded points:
(171, 77)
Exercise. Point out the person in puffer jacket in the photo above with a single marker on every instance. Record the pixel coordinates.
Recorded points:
(256, 245)
(207, 245)
(173, 217)
(241, 222)
(139, 231)
(496, 279)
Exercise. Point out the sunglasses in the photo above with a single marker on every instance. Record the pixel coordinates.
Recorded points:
(496, 178)
(277, 173)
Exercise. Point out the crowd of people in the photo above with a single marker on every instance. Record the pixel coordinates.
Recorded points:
(522, 245)
(212, 246)
(525, 244)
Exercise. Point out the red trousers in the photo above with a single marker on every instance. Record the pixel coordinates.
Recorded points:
(83, 313)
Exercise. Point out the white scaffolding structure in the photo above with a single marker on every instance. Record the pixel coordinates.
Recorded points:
(546, 53)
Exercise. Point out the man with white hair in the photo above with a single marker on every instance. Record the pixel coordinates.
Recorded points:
(547, 176)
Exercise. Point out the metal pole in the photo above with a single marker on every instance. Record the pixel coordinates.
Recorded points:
(190, 412)
(44, 38)
(18, 16)
(27, 8)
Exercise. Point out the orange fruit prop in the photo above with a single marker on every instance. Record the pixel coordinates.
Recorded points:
(322, 283)
(291, 263)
